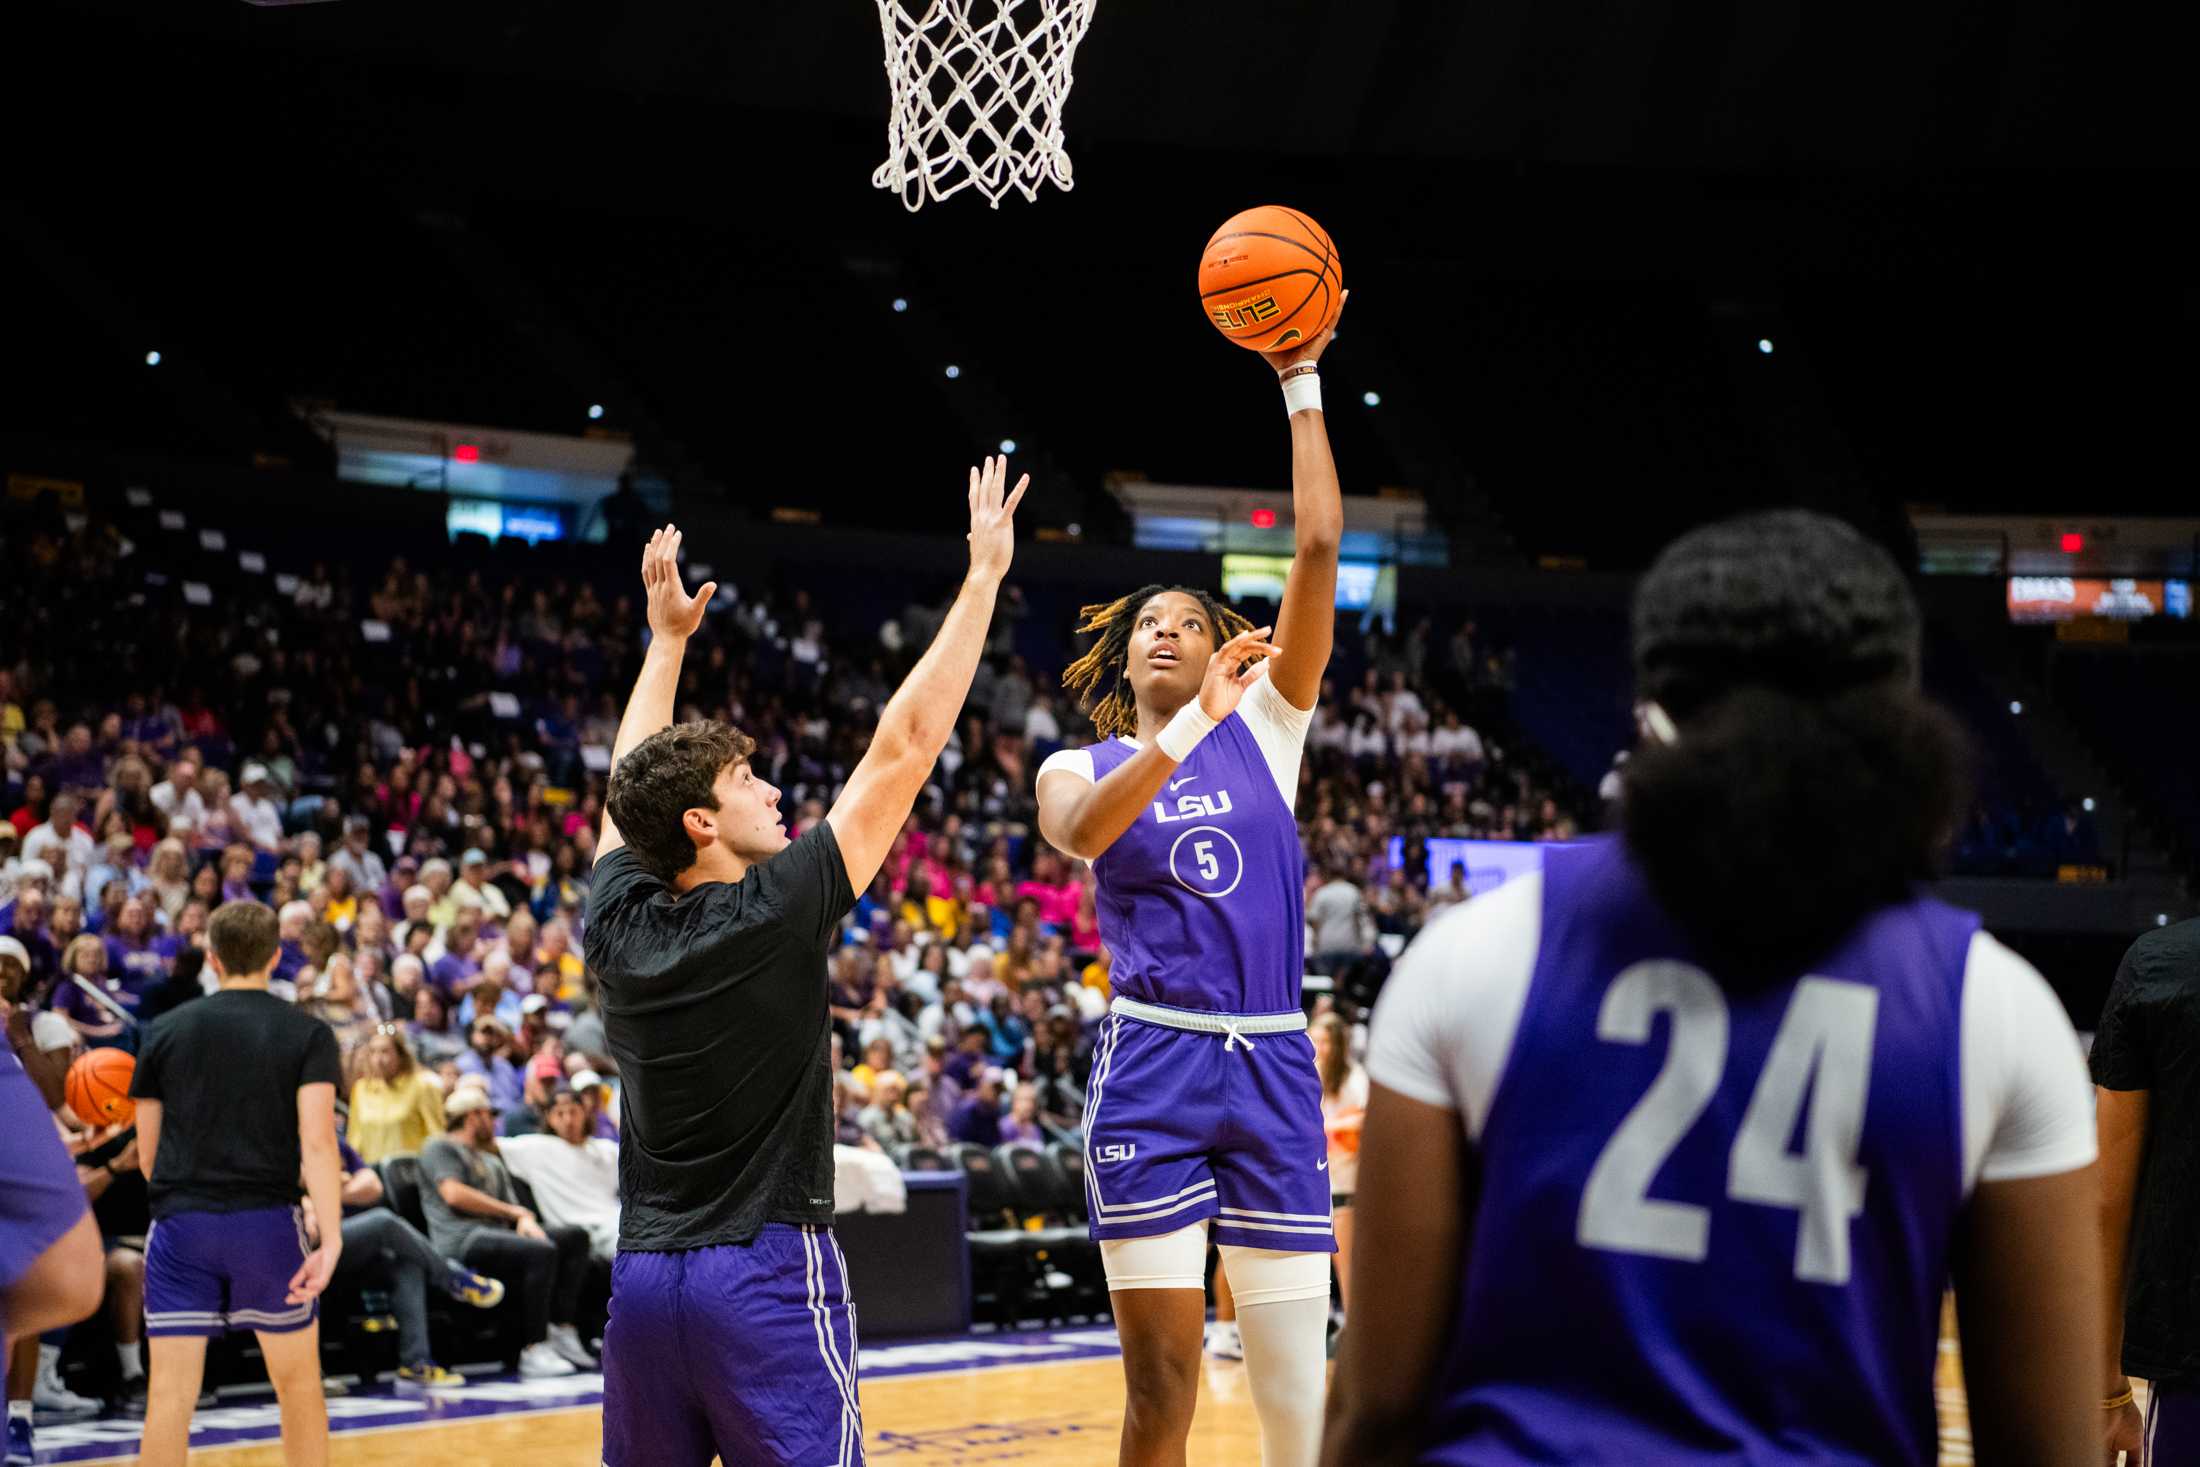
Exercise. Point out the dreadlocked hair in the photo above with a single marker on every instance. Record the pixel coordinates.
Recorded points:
(1101, 678)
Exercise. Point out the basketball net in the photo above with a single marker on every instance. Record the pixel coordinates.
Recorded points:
(977, 90)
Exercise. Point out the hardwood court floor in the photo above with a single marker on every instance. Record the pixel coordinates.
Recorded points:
(1059, 1415)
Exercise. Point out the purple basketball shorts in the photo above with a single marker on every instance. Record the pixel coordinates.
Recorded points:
(1221, 1121)
(747, 1354)
(40, 1197)
(208, 1273)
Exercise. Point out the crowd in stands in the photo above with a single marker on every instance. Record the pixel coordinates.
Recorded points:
(410, 770)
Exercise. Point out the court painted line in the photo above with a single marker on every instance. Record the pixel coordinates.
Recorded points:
(380, 1409)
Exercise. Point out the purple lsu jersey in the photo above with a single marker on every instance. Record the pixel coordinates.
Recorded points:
(1713, 1226)
(1202, 901)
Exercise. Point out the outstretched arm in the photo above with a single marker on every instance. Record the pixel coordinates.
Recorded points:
(915, 724)
(1308, 620)
(673, 617)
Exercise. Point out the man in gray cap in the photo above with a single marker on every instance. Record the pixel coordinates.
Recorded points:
(358, 859)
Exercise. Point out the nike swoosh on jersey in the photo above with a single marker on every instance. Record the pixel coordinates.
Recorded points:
(1174, 784)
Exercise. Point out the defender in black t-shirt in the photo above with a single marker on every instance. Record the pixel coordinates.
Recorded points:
(731, 1329)
(236, 1095)
(2148, 1111)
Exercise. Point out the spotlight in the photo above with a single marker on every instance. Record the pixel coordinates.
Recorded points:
(152, 359)
(1008, 445)
(1074, 529)
(953, 371)
(2015, 707)
(1764, 344)
(900, 305)
(2161, 919)
(1372, 399)
(595, 411)
(2088, 803)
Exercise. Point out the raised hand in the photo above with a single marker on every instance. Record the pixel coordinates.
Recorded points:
(1229, 674)
(1309, 350)
(672, 611)
(993, 519)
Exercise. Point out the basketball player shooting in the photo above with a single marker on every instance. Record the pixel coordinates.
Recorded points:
(1205, 1105)
(732, 1333)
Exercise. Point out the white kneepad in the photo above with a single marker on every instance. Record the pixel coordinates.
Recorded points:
(1270, 1276)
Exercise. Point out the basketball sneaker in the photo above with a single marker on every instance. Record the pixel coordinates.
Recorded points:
(1223, 1342)
(540, 1360)
(426, 1377)
(50, 1395)
(476, 1289)
(20, 1451)
(567, 1342)
(130, 1400)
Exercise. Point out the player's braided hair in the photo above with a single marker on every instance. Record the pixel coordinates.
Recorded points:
(1101, 678)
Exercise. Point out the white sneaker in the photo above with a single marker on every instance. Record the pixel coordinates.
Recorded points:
(1223, 1341)
(539, 1360)
(49, 1394)
(567, 1342)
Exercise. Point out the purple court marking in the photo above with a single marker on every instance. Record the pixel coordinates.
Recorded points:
(379, 1408)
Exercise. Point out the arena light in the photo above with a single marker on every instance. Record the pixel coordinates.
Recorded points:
(1372, 399)
(1764, 344)
(2087, 802)
(953, 371)
(900, 305)
(1008, 445)
(466, 453)
(1074, 529)
(2015, 707)
(152, 359)
(2072, 542)
(2161, 919)
(595, 411)
(1264, 519)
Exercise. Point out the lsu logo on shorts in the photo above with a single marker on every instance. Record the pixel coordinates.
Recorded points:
(1115, 1151)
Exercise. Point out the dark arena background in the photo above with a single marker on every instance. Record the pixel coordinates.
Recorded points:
(356, 348)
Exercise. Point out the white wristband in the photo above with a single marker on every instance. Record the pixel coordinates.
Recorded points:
(1183, 733)
(1302, 392)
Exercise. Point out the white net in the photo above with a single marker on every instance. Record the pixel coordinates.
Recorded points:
(977, 89)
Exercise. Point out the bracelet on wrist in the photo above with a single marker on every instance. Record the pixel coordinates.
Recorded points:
(2117, 1403)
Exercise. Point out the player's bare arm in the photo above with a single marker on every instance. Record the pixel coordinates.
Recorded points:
(673, 617)
(324, 1175)
(2120, 1123)
(1084, 817)
(1405, 1271)
(1308, 619)
(917, 720)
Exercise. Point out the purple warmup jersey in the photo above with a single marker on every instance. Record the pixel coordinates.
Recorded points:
(1713, 1225)
(40, 1196)
(1202, 901)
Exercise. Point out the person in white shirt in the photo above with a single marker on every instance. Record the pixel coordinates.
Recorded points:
(178, 794)
(475, 889)
(1040, 724)
(575, 1176)
(1456, 740)
(1402, 703)
(61, 833)
(254, 810)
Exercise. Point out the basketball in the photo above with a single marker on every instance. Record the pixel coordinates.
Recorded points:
(98, 1087)
(1270, 278)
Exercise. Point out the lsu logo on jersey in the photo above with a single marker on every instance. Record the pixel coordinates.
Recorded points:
(1193, 807)
(1114, 1151)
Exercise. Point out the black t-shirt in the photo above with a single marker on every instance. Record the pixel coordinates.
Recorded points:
(227, 1071)
(2149, 1040)
(714, 1007)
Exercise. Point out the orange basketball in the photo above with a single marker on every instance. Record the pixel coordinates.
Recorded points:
(98, 1087)
(1270, 279)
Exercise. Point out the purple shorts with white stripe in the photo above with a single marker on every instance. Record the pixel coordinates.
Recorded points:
(1181, 1126)
(747, 1354)
(208, 1273)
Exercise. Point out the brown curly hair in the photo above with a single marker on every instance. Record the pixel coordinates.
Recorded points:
(1101, 678)
(662, 778)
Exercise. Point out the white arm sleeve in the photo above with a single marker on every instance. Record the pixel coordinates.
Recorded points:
(2027, 1101)
(1279, 727)
(1070, 761)
(1445, 1023)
